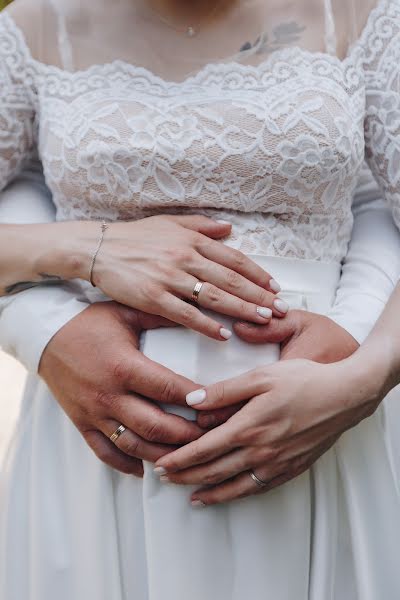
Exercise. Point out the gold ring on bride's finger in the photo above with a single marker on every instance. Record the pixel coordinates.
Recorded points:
(196, 291)
(257, 480)
(117, 433)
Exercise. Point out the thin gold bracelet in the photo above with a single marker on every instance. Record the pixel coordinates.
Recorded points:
(104, 227)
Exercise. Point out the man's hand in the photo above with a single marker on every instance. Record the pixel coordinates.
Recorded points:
(301, 334)
(99, 377)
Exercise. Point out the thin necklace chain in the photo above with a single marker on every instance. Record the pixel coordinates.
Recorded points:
(190, 30)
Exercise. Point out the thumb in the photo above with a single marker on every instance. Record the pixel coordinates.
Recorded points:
(139, 320)
(204, 225)
(276, 332)
(147, 321)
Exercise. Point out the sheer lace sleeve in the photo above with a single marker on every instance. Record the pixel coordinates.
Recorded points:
(17, 105)
(382, 125)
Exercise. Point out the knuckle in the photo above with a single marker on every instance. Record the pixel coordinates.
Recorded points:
(188, 315)
(181, 256)
(199, 241)
(154, 432)
(297, 466)
(167, 272)
(219, 392)
(120, 370)
(198, 454)
(104, 454)
(168, 391)
(244, 308)
(152, 295)
(106, 401)
(263, 298)
(214, 294)
(131, 447)
(212, 478)
(234, 280)
(238, 259)
(268, 456)
(260, 377)
(248, 433)
(245, 436)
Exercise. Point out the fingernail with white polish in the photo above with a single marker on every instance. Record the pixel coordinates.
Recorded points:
(222, 222)
(196, 397)
(159, 471)
(281, 305)
(225, 333)
(198, 504)
(265, 313)
(274, 286)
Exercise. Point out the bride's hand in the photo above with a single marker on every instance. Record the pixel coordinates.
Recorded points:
(298, 409)
(302, 334)
(154, 264)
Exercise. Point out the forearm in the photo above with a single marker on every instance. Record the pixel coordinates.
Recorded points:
(31, 255)
(30, 319)
(381, 351)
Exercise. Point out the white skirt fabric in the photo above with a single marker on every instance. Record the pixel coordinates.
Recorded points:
(73, 529)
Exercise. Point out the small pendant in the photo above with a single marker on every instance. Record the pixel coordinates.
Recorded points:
(190, 32)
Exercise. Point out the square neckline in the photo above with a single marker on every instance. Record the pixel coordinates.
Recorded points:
(201, 76)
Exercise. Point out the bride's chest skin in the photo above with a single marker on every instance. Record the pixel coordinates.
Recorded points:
(245, 138)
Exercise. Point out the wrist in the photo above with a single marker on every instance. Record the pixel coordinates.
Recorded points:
(371, 372)
(67, 249)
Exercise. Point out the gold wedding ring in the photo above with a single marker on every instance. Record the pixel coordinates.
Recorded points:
(117, 433)
(196, 291)
(257, 480)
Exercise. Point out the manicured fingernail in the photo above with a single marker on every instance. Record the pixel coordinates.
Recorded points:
(281, 305)
(222, 222)
(225, 333)
(196, 397)
(198, 504)
(165, 479)
(159, 471)
(274, 286)
(265, 313)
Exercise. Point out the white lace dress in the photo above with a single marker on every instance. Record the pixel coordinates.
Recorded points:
(276, 149)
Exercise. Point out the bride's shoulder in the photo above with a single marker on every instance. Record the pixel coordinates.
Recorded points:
(364, 10)
(37, 21)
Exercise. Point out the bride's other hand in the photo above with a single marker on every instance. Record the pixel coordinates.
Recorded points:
(154, 264)
(296, 412)
(301, 335)
(100, 378)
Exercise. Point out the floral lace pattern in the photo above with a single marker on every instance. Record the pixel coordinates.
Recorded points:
(276, 149)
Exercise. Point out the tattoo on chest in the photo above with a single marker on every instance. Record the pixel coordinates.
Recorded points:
(285, 34)
(21, 286)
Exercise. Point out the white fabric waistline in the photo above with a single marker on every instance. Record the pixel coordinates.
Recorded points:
(306, 284)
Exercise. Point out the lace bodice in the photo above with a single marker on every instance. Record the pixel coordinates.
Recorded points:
(275, 148)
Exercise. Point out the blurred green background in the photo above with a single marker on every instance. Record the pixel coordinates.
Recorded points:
(4, 3)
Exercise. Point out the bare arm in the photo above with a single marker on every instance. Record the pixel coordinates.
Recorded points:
(379, 357)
